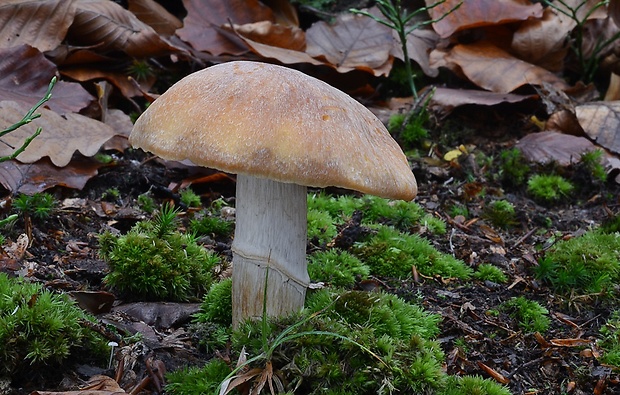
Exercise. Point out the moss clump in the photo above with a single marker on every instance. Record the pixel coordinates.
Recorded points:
(532, 317)
(610, 341)
(153, 261)
(392, 253)
(487, 272)
(588, 264)
(501, 213)
(513, 167)
(41, 331)
(210, 225)
(473, 385)
(321, 226)
(549, 188)
(336, 268)
(400, 336)
(413, 133)
(216, 306)
(197, 380)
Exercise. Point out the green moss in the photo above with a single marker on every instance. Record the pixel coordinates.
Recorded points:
(610, 340)
(487, 272)
(591, 161)
(513, 167)
(532, 317)
(321, 226)
(210, 225)
(40, 330)
(189, 198)
(549, 188)
(394, 254)
(216, 306)
(413, 133)
(336, 268)
(153, 261)
(501, 213)
(38, 205)
(473, 385)
(589, 264)
(197, 380)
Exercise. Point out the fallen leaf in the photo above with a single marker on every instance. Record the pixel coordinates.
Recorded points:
(155, 15)
(162, 315)
(25, 74)
(543, 41)
(272, 34)
(96, 385)
(570, 342)
(202, 27)
(494, 69)
(31, 178)
(95, 302)
(546, 147)
(446, 99)
(476, 13)
(352, 42)
(601, 122)
(41, 24)
(112, 28)
(62, 136)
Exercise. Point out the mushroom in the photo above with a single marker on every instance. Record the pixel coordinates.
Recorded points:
(280, 131)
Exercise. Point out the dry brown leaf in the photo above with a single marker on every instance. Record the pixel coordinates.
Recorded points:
(545, 147)
(476, 13)
(127, 87)
(494, 69)
(543, 41)
(420, 42)
(446, 99)
(202, 27)
(284, 12)
(269, 33)
(62, 136)
(601, 122)
(31, 178)
(155, 15)
(41, 24)
(96, 385)
(352, 42)
(110, 28)
(570, 342)
(283, 55)
(25, 75)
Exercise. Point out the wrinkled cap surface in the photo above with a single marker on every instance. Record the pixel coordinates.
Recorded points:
(274, 122)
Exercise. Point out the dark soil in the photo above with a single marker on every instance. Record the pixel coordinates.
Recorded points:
(64, 258)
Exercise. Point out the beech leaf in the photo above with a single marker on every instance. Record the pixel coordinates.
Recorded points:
(494, 69)
(155, 15)
(203, 25)
(62, 136)
(601, 122)
(42, 24)
(476, 13)
(550, 146)
(352, 42)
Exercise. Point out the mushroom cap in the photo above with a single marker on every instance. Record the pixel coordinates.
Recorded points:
(273, 122)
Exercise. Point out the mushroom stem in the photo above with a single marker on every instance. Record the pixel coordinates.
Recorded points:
(270, 242)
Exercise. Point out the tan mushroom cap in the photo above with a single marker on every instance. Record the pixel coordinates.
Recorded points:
(273, 122)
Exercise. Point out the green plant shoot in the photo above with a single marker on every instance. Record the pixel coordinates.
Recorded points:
(29, 117)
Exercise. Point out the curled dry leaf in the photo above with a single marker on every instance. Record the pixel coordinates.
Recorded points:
(476, 13)
(110, 27)
(543, 41)
(272, 34)
(601, 122)
(494, 69)
(61, 138)
(352, 42)
(155, 15)
(25, 74)
(202, 27)
(445, 100)
(30, 178)
(545, 147)
(41, 24)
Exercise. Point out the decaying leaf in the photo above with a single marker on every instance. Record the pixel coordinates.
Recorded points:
(352, 42)
(30, 178)
(445, 100)
(272, 34)
(420, 43)
(545, 147)
(202, 27)
(110, 27)
(96, 385)
(25, 75)
(41, 24)
(61, 138)
(155, 15)
(543, 42)
(476, 13)
(601, 122)
(494, 69)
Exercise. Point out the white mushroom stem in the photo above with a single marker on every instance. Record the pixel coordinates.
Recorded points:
(270, 236)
